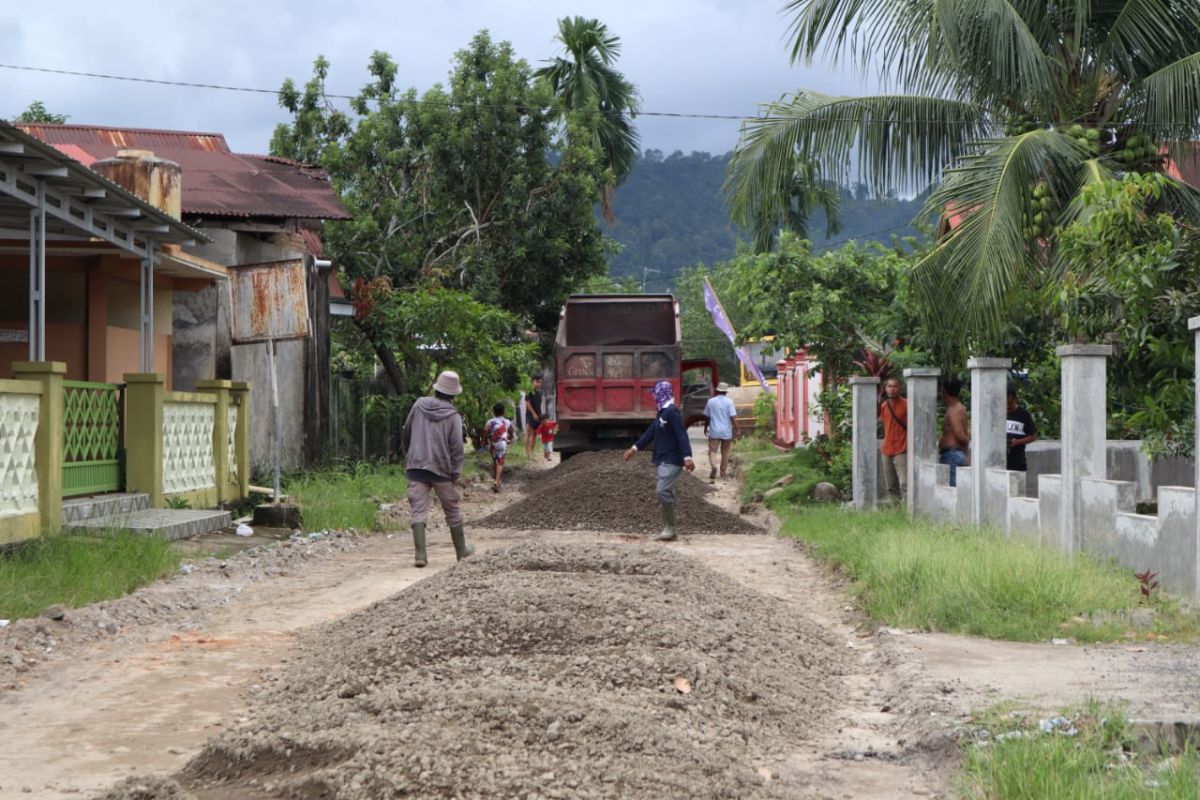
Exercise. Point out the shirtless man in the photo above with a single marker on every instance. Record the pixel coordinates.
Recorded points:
(956, 430)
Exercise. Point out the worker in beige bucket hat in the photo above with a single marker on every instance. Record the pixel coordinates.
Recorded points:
(433, 463)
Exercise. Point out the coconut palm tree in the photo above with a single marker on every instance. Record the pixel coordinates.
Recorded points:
(584, 78)
(1009, 108)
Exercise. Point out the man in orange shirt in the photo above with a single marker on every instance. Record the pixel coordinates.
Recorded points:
(894, 413)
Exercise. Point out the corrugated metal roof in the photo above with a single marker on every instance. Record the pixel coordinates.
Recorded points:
(127, 138)
(215, 181)
(129, 221)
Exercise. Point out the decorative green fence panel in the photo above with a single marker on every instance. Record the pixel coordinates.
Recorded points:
(91, 438)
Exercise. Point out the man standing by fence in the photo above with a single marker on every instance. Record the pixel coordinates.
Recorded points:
(893, 411)
(955, 441)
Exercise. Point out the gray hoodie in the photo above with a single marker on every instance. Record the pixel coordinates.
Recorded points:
(433, 437)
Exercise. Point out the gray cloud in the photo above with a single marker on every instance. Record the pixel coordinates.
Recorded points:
(701, 56)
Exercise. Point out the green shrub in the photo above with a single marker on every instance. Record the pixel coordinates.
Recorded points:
(346, 496)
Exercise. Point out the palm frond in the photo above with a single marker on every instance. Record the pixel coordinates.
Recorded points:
(898, 142)
(986, 49)
(1146, 34)
(896, 38)
(970, 274)
(1000, 47)
(1091, 172)
(1171, 98)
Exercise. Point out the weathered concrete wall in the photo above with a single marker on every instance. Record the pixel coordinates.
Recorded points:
(1125, 460)
(998, 486)
(1049, 503)
(201, 320)
(204, 349)
(1023, 519)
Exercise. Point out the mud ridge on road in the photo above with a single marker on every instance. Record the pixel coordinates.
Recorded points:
(550, 670)
(600, 492)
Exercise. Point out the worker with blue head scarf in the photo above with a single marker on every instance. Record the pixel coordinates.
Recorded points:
(671, 456)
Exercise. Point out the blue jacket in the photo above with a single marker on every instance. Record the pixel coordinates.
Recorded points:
(671, 445)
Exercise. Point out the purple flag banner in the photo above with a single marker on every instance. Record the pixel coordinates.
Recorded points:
(721, 320)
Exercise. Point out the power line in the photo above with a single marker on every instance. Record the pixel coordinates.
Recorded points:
(1184, 127)
(254, 90)
(860, 236)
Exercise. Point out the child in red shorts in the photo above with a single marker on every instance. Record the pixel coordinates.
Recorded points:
(546, 429)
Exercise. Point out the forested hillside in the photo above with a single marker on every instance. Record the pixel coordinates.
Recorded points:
(670, 215)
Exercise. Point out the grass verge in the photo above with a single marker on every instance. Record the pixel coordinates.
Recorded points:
(917, 575)
(76, 570)
(767, 466)
(346, 496)
(1086, 753)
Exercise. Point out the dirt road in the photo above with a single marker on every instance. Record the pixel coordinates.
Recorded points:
(146, 699)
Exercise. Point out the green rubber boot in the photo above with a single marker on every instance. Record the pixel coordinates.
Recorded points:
(418, 529)
(459, 537)
(668, 532)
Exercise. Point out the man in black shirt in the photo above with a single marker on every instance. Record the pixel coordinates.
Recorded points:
(533, 415)
(1020, 429)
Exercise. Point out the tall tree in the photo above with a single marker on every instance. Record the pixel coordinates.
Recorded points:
(1012, 106)
(37, 112)
(454, 189)
(583, 79)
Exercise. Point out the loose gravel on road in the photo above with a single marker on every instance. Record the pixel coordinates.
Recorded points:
(600, 492)
(541, 670)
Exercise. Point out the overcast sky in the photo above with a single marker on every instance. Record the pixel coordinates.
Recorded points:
(699, 56)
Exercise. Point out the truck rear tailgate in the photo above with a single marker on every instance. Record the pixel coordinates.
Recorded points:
(613, 382)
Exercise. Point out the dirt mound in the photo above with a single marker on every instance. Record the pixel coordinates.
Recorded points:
(599, 492)
(146, 788)
(539, 671)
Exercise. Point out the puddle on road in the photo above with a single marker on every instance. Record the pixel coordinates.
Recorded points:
(225, 543)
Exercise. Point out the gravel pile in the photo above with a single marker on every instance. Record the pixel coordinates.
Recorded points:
(543, 670)
(600, 492)
(184, 600)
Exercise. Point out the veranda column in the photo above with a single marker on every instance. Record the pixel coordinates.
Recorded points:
(1083, 430)
(864, 394)
(922, 425)
(989, 413)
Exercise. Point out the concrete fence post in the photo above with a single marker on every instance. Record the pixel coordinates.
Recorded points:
(922, 426)
(1194, 326)
(144, 396)
(240, 395)
(1084, 401)
(989, 414)
(864, 394)
(48, 441)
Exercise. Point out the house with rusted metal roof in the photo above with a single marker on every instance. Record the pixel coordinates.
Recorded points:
(92, 432)
(251, 209)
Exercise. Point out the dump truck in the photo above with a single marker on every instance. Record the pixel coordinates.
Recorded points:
(610, 350)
